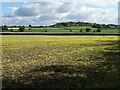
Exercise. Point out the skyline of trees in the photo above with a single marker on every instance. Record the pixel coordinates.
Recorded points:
(67, 24)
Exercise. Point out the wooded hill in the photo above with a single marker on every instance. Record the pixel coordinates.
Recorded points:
(70, 24)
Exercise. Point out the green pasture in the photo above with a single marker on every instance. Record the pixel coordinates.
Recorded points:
(74, 29)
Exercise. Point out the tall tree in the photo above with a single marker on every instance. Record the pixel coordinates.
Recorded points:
(4, 28)
(30, 26)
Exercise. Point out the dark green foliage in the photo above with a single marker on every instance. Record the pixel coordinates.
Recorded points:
(98, 30)
(96, 26)
(45, 30)
(115, 26)
(88, 29)
(103, 26)
(70, 30)
(30, 26)
(69, 24)
(108, 26)
(80, 30)
(11, 30)
(4, 28)
(21, 28)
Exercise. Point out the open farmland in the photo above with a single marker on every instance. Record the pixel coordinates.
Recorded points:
(75, 29)
(60, 61)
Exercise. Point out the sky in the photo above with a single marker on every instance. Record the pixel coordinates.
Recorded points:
(39, 12)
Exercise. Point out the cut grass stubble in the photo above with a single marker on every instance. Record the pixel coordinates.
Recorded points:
(76, 61)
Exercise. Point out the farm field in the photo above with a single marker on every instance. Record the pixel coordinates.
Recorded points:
(74, 29)
(60, 61)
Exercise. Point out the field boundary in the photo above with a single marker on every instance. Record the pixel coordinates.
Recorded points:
(52, 33)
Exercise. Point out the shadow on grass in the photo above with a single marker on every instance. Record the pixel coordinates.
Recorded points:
(104, 75)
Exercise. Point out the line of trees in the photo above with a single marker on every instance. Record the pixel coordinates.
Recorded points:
(63, 25)
(94, 25)
(5, 28)
(102, 26)
(22, 28)
(69, 24)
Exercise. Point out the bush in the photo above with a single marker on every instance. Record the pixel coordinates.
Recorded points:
(88, 29)
(80, 30)
(70, 30)
(98, 30)
(11, 30)
(45, 30)
(21, 28)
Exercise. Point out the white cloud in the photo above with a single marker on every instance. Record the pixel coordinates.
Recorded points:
(43, 13)
(66, 7)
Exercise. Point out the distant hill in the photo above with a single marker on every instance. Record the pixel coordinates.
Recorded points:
(70, 24)
(94, 25)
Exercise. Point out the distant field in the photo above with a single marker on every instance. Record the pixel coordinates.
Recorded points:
(60, 61)
(74, 29)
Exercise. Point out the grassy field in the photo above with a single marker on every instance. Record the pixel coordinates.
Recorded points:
(74, 29)
(60, 61)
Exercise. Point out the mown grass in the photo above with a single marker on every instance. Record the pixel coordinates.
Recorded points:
(60, 61)
(74, 29)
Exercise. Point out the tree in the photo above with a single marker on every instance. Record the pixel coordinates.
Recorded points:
(4, 28)
(115, 26)
(107, 26)
(70, 30)
(30, 26)
(80, 30)
(21, 28)
(11, 30)
(88, 29)
(45, 30)
(103, 25)
(98, 30)
(96, 25)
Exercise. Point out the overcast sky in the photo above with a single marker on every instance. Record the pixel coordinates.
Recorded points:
(48, 13)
